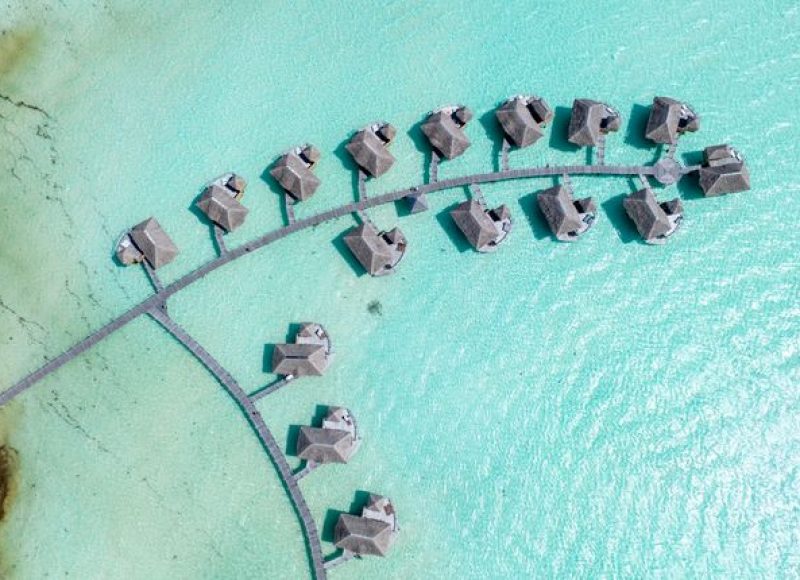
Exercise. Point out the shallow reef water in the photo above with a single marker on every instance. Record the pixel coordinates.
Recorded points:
(604, 408)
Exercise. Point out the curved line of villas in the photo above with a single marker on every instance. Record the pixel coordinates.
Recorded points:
(522, 119)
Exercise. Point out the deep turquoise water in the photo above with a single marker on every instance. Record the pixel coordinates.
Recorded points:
(599, 409)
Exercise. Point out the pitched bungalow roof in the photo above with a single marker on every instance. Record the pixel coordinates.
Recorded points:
(518, 123)
(445, 135)
(237, 184)
(475, 223)
(127, 253)
(417, 202)
(668, 119)
(299, 360)
(649, 217)
(154, 243)
(221, 208)
(558, 207)
(325, 445)
(370, 153)
(373, 251)
(723, 171)
(363, 536)
(294, 175)
(590, 120)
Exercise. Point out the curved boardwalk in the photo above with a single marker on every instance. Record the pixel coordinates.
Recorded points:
(155, 306)
(255, 419)
(302, 224)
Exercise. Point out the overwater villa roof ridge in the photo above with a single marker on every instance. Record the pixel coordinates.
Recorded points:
(444, 129)
(522, 118)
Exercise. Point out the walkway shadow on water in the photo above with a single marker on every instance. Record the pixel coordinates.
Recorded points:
(347, 255)
(689, 186)
(495, 134)
(559, 129)
(618, 218)
(449, 226)
(422, 145)
(530, 209)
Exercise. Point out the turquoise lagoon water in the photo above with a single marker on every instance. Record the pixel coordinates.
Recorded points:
(598, 409)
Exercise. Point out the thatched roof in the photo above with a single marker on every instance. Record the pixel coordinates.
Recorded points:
(310, 153)
(668, 119)
(221, 208)
(363, 536)
(299, 359)
(127, 253)
(378, 253)
(518, 123)
(541, 111)
(339, 418)
(650, 218)
(237, 184)
(445, 134)
(154, 243)
(475, 223)
(723, 171)
(590, 120)
(294, 175)
(325, 445)
(558, 207)
(379, 507)
(417, 202)
(370, 153)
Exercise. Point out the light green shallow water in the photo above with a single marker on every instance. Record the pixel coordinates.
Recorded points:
(598, 409)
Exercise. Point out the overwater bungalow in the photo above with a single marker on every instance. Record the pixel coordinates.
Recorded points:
(444, 128)
(484, 229)
(568, 218)
(669, 119)
(369, 148)
(723, 171)
(309, 355)
(335, 442)
(378, 252)
(222, 208)
(293, 171)
(590, 121)
(373, 533)
(522, 118)
(655, 221)
(417, 202)
(146, 241)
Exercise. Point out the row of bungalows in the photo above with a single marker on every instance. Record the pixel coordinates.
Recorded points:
(335, 441)
(522, 119)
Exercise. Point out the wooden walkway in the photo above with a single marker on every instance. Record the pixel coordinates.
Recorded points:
(220, 241)
(433, 168)
(266, 438)
(266, 239)
(155, 281)
(269, 389)
(504, 150)
(289, 201)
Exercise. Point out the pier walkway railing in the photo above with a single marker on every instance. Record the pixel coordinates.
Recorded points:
(266, 438)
